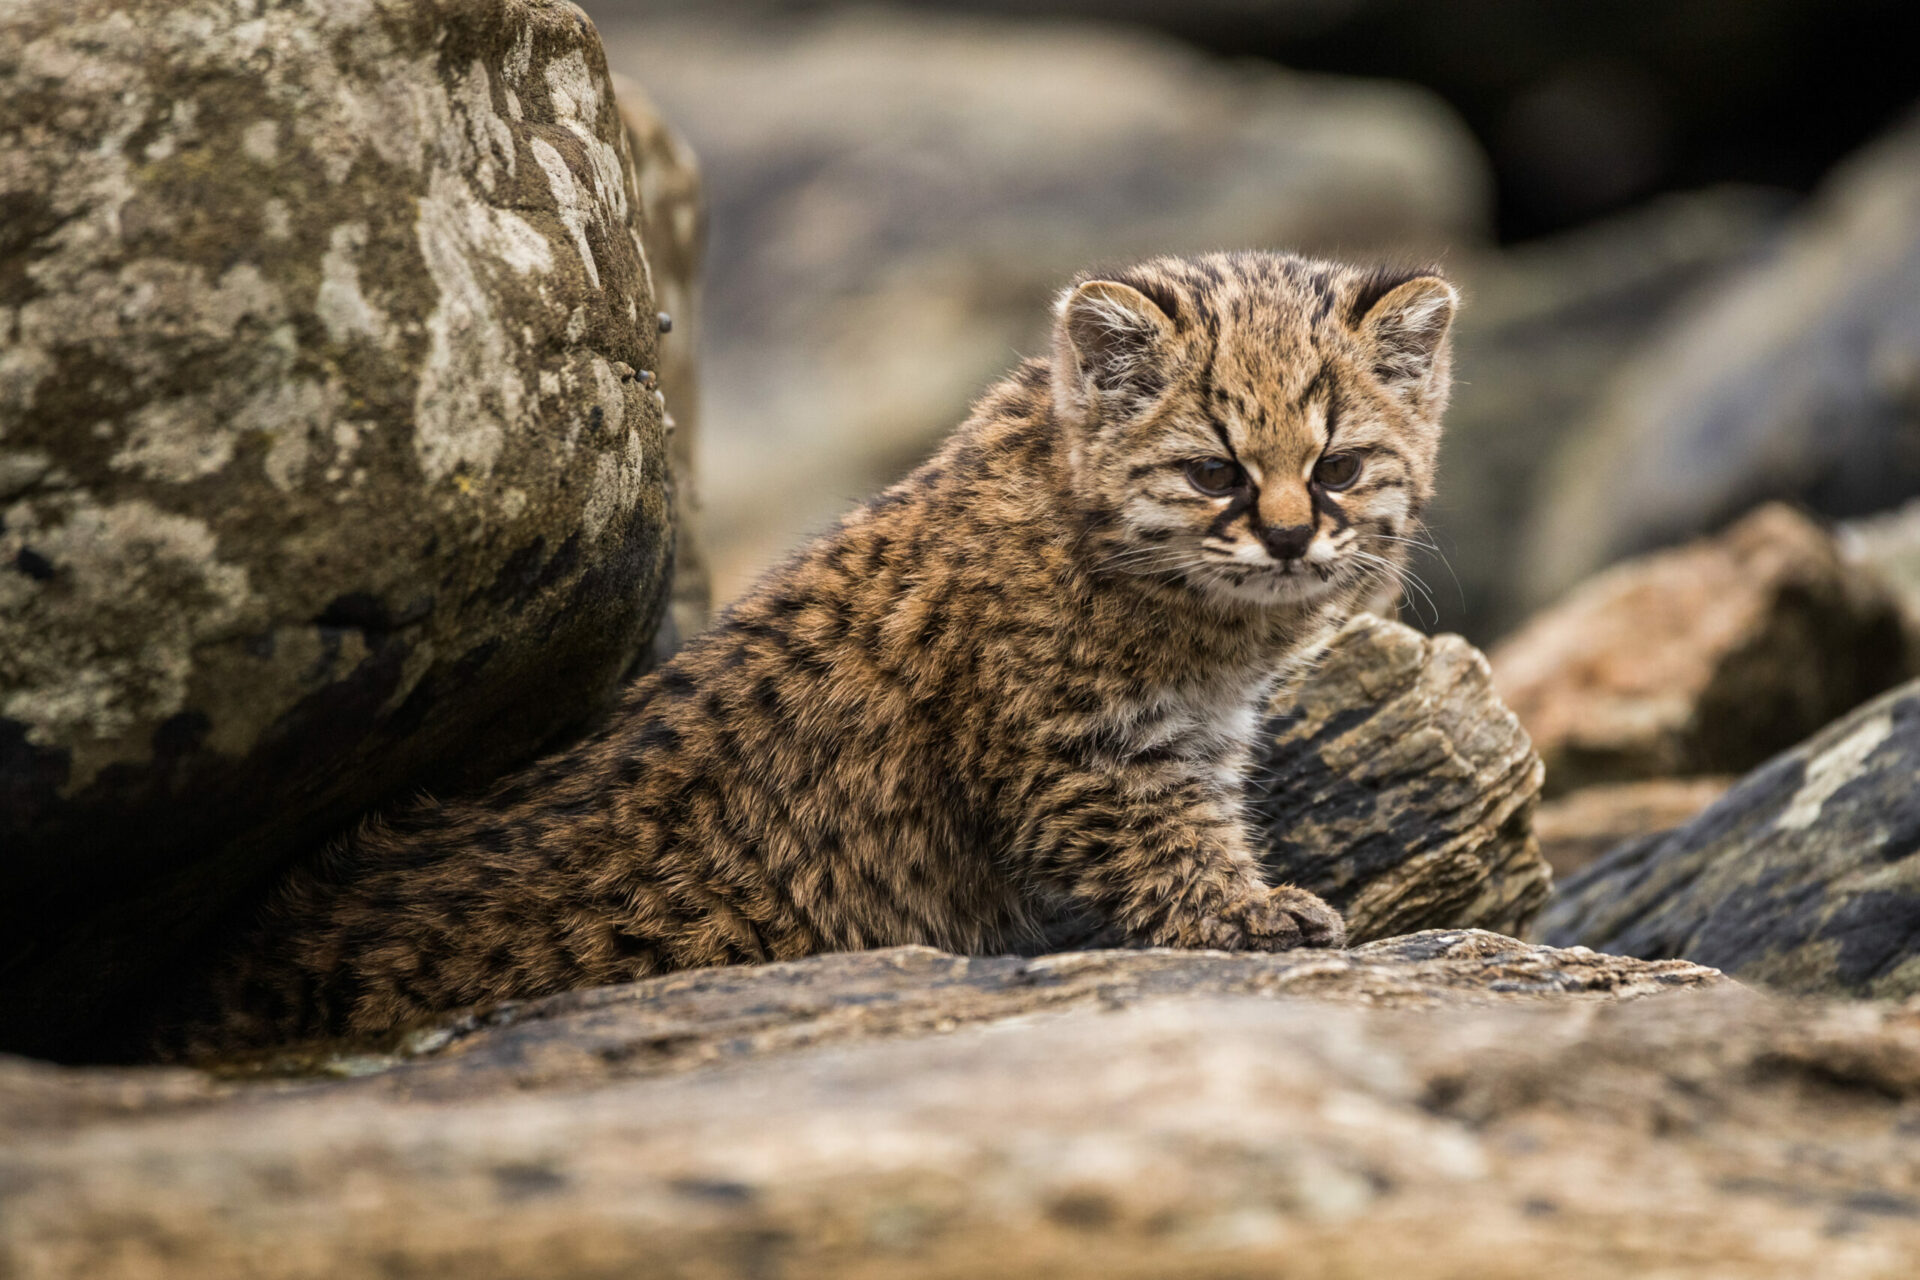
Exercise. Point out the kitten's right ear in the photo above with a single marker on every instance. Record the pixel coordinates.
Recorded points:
(1110, 344)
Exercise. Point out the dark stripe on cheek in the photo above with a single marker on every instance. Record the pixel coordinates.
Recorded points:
(1326, 506)
(1235, 509)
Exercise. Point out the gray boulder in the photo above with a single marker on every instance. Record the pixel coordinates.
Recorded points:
(1547, 325)
(1798, 380)
(1805, 876)
(327, 466)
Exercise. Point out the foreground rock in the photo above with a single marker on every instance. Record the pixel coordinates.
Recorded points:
(1397, 786)
(1575, 830)
(897, 197)
(1805, 877)
(1435, 1106)
(325, 464)
(1800, 380)
(1705, 659)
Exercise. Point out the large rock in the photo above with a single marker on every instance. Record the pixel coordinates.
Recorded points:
(1395, 784)
(896, 199)
(1799, 380)
(326, 467)
(1704, 659)
(1441, 1105)
(1806, 876)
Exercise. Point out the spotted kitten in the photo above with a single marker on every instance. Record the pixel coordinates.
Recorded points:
(1015, 693)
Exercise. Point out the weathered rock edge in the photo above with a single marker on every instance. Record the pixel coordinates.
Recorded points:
(1397, 785)
(1805, 876)
(327, 469)
(1447, 1103)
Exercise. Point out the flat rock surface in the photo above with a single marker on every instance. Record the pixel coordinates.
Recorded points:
(1395, 783)
(1437, 1105)
(1805, 876)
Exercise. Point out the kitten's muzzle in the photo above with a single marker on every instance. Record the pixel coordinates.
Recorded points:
(1286, 542)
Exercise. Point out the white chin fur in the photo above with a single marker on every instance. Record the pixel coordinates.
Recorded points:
(1274, 588)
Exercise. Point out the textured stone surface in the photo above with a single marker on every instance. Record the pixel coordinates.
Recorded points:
(1704, 659)
(1434, 1106)
(1799, 380)
(1575, 830)
(1805, 876)
(1397, 786)
(324, 465)
(897, 197)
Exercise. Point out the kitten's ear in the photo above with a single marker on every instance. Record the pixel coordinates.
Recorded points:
(1111, 342)
(1406, 327)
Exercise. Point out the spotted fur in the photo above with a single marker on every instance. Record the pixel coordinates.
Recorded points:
(1009, 699)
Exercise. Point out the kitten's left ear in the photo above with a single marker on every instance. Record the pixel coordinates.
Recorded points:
(1406, 328)
(1110, 344)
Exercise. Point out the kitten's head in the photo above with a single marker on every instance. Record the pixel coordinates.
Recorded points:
(1259, 427)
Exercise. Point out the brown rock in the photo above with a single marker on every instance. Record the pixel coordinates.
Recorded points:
(325, 472)
(1576, 829)
(1439, 1105)
(1704, 659)
(1805, 876)
(1397, 786)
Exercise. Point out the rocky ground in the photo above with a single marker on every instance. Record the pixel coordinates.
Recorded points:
(1440, 1103)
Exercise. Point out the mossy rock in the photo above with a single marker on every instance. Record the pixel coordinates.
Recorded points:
(328, 468)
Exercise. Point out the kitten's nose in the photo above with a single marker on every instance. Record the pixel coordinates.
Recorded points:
(1288, 542)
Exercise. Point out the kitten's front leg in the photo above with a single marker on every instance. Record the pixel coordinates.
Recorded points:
(1167, 866)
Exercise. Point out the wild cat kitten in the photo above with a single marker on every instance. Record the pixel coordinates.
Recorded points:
(1020, 686)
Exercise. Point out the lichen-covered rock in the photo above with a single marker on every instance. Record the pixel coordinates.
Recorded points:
(326, 468)
(1805, 876)
(1575, 830)
(1435, 1106)
(1397, 786)
(1798, 380)
(1702, 659)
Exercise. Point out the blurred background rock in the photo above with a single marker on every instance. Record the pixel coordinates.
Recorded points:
(896, 190)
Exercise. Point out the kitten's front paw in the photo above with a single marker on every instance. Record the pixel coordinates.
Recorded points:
(1279, 920)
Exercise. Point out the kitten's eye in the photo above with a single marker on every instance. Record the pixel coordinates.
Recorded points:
(1215, 476)
(1337, 470)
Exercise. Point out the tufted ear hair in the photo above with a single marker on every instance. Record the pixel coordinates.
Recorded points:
(1109, 345)
(1404, 322)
